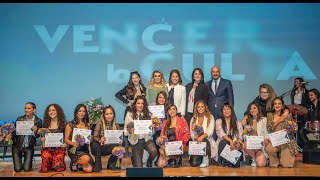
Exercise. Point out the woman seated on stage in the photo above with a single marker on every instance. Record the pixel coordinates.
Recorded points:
(202, 117)
(229, 131)
(23, 145)
(312, 123)
(81, 155)
(255, 125)
(283, 154)
(99, 148)
(139, 142)
(54, 121)
(175, 128)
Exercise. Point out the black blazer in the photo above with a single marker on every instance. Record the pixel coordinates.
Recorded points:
(305, 98)
(201, 93)
(18, 139)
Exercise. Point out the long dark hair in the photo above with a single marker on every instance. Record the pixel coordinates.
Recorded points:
(233, 120)
(61, 117)
(103, 119)
(75, 120)
(168, 124)
(146, 114)
(283, 105)
(131, 90)
(166, 103)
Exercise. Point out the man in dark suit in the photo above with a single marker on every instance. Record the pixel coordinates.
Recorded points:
(220, 91)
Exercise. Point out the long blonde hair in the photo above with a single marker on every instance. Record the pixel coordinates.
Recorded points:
(207, 113)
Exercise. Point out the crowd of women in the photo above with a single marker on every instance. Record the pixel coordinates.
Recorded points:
(186, 107)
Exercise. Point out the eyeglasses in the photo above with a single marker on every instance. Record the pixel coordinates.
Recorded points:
(263, 92)
(134, 72)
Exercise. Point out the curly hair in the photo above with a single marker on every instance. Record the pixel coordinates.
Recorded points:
(163, 81)
(61, 117)
(207, 113)
(146, 114)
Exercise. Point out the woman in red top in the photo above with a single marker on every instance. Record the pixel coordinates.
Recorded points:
(176, 129)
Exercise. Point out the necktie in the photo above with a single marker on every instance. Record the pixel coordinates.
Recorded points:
(215, 86)
(171, 98)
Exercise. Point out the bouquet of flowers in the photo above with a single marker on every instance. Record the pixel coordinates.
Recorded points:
(161, 141)
(198, 130)
(95, 108)
(6, 133)
(119, 152)
(292, 126)
(43, 132)
(238, 144)
(156, 121)
(130, 126)
(80, 140)
(249, 131)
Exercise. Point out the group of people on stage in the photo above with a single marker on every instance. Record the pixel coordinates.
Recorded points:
(209, 105)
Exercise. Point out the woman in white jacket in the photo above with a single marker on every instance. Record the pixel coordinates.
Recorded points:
(177, 92)
(255, 125)
(203, 117)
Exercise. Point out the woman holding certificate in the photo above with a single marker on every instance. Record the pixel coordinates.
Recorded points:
(255, 125)
(284, 153)
(139, 142)
(24, 138)
(78, 150)
(229, 131)
(99, 147)
(203, 120)
(54, 121)
(175, 128)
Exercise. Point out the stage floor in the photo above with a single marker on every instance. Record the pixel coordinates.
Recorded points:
(300, 169)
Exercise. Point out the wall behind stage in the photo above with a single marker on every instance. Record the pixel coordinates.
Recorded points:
(67, 53)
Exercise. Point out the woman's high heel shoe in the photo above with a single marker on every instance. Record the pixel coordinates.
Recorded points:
(74, 168)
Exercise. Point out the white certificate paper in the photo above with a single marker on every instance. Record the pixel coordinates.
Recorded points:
(157, 111)
(84, 132)
(24, 127)
(196, 148)
(113, 136)
(232, 156)
(174, 148)
(53, 140)
(142, 127)
(279, 137)
(254, 142)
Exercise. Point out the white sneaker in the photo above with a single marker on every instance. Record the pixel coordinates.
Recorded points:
(253, 163)
(205, 162)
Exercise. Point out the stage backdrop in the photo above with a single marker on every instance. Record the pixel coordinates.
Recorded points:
(67, 53)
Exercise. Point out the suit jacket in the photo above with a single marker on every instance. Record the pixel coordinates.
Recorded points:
(179, 97)
(224, 94)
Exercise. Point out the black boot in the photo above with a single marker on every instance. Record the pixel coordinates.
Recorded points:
(149, 163)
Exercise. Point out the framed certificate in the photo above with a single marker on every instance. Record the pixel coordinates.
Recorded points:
(157, 111)
(53, 140)
(254, 142)
(279, 137)
(142, 126)
(174, 148)
(86, 133)
(196, 148)
(232, 156)
(24, 127)
(113, 136)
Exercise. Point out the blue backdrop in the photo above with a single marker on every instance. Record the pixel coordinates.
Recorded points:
(67, 53)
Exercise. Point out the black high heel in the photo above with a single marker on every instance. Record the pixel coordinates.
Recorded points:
(177, 162)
